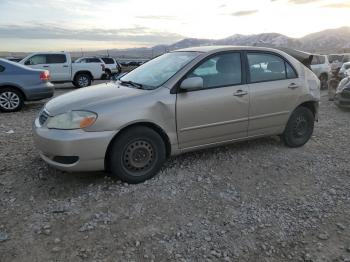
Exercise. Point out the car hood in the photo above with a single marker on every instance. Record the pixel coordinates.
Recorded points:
(90, 96)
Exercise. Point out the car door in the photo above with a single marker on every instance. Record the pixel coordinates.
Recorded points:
(218, 112)
(274, 89)
(59, 67)
(38, 61)
(316, 65)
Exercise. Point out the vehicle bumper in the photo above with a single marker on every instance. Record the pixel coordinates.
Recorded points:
(342, 99)
(43, 91)
(72, 150)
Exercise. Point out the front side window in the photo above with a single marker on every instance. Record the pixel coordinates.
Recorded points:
(56, 59)
(157, 71)
(269, 67)
(36, 60)
(220, 70)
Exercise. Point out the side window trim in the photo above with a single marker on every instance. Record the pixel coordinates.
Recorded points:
(243, 73)
(247, 69)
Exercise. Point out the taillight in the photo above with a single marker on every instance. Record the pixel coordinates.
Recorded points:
(103, 67)
(45, 76)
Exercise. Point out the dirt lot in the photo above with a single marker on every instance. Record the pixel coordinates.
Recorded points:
(251, 201)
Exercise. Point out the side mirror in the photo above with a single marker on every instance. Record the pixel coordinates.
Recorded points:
(192, 83)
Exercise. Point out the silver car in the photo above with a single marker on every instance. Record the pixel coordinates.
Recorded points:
(19, 83)
(181, 101)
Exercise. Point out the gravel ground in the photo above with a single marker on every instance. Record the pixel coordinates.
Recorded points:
(250, 201)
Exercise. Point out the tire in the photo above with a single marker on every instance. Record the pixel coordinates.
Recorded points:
(11, 100)
(324, 81)
(299, 128)
(108, 74)
(82, 80)
(137, 155)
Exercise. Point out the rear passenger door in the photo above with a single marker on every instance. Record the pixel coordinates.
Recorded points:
(58, 66)
(274, 88)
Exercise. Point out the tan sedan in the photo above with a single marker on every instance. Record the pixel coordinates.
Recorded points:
(181, 101)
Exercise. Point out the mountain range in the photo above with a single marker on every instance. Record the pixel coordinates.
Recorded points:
(327, 41)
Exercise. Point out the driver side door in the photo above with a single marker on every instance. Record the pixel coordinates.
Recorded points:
(219, 111)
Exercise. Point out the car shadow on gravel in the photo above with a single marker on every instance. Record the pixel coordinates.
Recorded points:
(84, 179)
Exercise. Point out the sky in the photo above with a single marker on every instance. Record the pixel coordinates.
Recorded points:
(57, 25)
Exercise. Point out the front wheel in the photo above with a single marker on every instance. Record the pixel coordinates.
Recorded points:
(299, 128)
(11, 100)
(82, 80)
(137, 155)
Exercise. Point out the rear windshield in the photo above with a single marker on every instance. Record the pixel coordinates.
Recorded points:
(108, 60)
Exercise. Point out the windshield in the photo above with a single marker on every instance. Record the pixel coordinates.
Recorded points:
(159, 70)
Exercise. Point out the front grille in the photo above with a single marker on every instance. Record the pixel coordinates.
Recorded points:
(43, 116)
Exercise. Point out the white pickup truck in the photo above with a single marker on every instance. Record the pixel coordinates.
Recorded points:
(63, 70)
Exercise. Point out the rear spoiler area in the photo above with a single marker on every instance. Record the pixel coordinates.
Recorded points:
(303, 57)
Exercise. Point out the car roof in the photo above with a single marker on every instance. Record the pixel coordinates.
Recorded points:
(209, 49)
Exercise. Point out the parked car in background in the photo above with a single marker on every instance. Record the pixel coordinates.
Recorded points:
(342, 96)
(178, 102)
(343, 69)
(321, 66)
(111, 66)
(19, 83)
(14, 59)
(63, 70)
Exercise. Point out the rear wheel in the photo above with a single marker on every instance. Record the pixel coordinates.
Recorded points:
(299, 128)
(11, 100)
(324, 81)
(137, 155)
(82, 80)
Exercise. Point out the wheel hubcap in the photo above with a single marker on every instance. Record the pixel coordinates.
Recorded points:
(9, 100)
(300, 127)
(83, 81)
(138, 156)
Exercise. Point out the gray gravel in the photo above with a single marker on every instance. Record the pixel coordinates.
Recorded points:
(251, 201)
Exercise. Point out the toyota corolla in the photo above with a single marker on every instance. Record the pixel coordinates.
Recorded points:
(181, 101)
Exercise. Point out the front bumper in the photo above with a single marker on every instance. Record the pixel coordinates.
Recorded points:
(342, 99)
(72, 150)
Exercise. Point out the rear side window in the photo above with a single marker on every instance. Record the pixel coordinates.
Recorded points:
(108, 60)
(56, 59)
(321, 60)
(2, 69)
(269, 67)
(93, 60)
(221, 70)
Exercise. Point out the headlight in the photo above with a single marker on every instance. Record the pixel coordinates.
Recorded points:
(344, 83)
(72, 120)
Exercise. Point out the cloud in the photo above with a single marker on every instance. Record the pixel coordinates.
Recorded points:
(298, 2)
(156, 17)
(244, 12)
(338, 5)
(135, 34)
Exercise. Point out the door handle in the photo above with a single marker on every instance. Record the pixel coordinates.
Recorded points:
(65, 66)
(46, 66)
(240, 93)
(293, 86)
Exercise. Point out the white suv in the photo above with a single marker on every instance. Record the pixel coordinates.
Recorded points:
(321, 66)
(111, 66)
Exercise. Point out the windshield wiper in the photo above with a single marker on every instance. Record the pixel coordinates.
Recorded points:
(137, 85)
